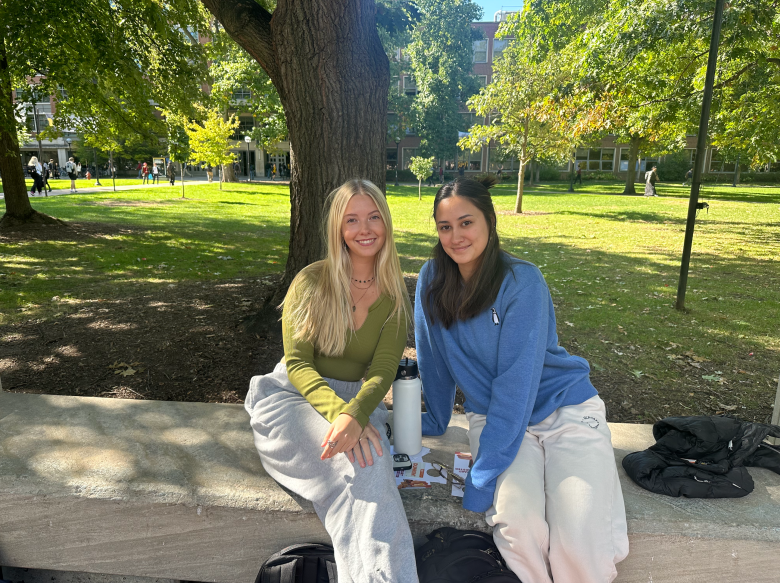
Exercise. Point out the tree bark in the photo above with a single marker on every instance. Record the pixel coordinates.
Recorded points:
(17, 204)
(521, 172)
(538, 169)
(327, 62)
(531, 165)
(633, 152)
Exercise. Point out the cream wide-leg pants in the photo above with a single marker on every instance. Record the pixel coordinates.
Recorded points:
(558, 511)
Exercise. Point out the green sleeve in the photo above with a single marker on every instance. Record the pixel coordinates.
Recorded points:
(381, 373)
(299, 358)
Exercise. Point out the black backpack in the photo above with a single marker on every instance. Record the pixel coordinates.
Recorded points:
(461, 556)
(301, 563)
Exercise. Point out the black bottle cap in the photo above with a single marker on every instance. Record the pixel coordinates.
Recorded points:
(407, 370)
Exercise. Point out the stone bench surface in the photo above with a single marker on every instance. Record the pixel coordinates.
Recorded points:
(176, 490)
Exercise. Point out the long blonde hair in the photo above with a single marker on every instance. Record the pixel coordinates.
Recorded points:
(318, 303)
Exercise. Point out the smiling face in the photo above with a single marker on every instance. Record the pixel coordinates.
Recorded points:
(362, 227)
(463, 232)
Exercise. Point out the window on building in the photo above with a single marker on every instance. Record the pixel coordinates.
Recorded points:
(719, 163)
(593, 159)
(245, 127)
(480, 51)
(391, 158)
(466, 121)
(410, 87)
(407, 154)
(242, 93)
(482, 80)
(499, 46)
(63, 93)
(508, 164)
(471, 160)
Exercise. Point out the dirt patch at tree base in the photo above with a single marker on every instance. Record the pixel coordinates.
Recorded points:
(188, 342)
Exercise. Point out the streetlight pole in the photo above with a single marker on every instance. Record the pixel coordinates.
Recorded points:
(69, 141)
(97, 174)
(247, 139)
(701, 146)
(397, 158)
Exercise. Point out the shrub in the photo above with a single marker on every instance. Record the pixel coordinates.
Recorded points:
(598, 175)
(403, 176)
(760, 177)
(674, 166)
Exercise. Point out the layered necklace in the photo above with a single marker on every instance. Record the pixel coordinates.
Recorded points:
(370, 282)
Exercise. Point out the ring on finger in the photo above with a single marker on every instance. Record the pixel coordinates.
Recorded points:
(332, 444)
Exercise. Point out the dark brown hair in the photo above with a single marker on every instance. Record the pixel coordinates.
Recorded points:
(449, 298)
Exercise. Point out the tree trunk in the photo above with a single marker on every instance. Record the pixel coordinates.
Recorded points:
(419, 189)
(737, 173)
(17, 203)
(538, 169)
(520, 181)
(229, 173)
(327, 62)
(633, 152)
(531, 165)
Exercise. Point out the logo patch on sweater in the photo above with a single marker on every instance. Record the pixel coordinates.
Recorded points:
(496, 321)
(591, 422)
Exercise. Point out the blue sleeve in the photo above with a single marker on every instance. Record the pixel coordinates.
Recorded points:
(521, 350)
(437, 383)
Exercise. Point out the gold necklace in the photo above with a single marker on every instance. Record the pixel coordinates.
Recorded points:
(354, 306)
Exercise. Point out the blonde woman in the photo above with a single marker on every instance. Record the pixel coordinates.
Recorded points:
(318, 419)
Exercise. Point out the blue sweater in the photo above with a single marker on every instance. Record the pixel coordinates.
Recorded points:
(509, 366)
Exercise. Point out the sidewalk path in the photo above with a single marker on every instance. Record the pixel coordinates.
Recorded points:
(190, 181)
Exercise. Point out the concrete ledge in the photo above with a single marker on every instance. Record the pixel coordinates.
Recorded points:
(176, 490)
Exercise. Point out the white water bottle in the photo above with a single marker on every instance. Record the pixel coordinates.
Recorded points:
(407, 412)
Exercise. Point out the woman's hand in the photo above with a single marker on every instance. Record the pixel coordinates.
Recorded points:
(342, 436)
(362, 452)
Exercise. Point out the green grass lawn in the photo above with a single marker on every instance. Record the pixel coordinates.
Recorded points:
(611, 262)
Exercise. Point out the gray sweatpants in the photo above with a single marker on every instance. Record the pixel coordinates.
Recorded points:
(360, 507)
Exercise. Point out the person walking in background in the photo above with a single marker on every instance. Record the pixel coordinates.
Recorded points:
(273, 172)
(47, 168)
(140, 168)
(500, 171)
(688, 177)
(578, 176)
(210, 172)
(155, 174)
(651, 177)
(441, 175)
(171, 172)
(461, 169)
(36, 173)
(145, 173)
(72, 171)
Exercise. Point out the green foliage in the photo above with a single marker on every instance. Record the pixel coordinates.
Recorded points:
(674, 166)
(209, 140)
(440, 55)
(178, 139)
(234, 72)
(421, 167)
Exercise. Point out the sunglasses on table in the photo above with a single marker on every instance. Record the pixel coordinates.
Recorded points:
(443, 470)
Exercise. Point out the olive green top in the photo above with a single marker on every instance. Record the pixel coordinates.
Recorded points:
(372, 353)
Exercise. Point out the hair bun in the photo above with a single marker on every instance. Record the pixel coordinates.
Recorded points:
(487, 180)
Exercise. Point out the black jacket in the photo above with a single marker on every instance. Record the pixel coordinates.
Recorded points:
(704, 457)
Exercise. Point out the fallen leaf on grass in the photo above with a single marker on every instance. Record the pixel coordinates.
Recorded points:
(637, 373)
(568, 323)
(596, 366)
(727, 407)
(711, 377)
(127, 372)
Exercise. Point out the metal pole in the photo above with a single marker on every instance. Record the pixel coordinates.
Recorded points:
(571, 176)
(701, 146)
(397, 160)
(182, 179)
(247, 163)
(97, 174)
(111, 162)
(736, 169)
